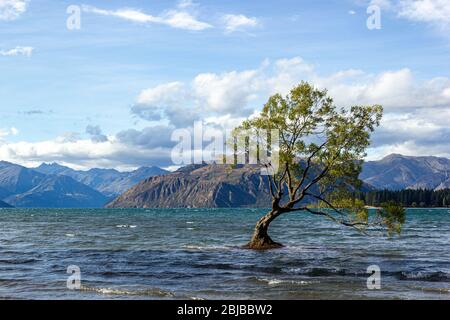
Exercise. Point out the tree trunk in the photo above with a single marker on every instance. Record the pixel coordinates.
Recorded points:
(261, 239)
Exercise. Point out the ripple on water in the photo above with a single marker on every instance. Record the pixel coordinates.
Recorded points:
(169, 261)
(281, 282)
(125, 292)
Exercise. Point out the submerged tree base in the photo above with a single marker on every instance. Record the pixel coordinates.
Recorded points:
(261, 239)
(263, 243)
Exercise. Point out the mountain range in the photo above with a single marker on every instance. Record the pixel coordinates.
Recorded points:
(396, 172)
(56, 186)
(109, 182)
(4, 205)
(196, 186)
(220, 186)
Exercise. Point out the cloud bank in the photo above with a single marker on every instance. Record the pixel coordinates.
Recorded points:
(415, 122)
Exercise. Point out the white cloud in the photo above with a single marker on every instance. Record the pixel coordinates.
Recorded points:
(83, 154)
(171, 101)
(416, 111)
(207, 95)
(240, 93)
(227, 92)
(12, 9)
(393, 89)
(184, 20)
(5, 132)
(183, 4)
(239, 22)
(415, 121)
(432, 11)
(409, 148)
(25, 51)
(128, 14)
(166, 94)
(383, 4)
(172, 18)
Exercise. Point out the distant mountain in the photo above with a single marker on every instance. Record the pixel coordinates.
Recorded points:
(220, 186)
(59, 192)
(16, 179)
(23, 187)
(396, 172)
(109, 182)
(4, 205)
(53, 185)
(199, 186)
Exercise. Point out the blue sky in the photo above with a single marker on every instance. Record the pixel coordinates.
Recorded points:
(111, 92)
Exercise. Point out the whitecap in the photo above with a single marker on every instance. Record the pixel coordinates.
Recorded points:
(126, 226)
(205, 247)
(433, 290)
(71, 235)
(147, 292)
(274, 282)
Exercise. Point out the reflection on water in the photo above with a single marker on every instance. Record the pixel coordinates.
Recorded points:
(182, 254)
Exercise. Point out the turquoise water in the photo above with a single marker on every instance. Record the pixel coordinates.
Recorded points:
(196, 254)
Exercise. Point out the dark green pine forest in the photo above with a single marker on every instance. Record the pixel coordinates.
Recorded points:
(408, 198)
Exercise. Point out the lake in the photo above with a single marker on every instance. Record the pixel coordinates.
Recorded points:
(196, 254)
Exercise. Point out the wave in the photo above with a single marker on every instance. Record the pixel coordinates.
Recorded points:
(424, 276)
(275, 282)
(320, 272)
(432, 290)
(124, 292)
(126, 226)
(206, 247)
(438, 276)
(18, 261)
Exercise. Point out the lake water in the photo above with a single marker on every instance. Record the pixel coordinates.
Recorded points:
(196, 254)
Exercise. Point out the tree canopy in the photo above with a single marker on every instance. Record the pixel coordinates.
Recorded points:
(321, 150)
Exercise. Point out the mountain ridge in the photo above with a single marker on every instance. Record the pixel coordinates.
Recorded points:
(25, 187)
(54, 185)
(209, 186)
(109, 182)
(396, 172)
(59, 192)
(51, 185)
(4, 205)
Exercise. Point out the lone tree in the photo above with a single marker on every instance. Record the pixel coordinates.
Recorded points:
(321, 150)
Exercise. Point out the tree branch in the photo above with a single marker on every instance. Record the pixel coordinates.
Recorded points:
(308, 166)
(342, 222)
